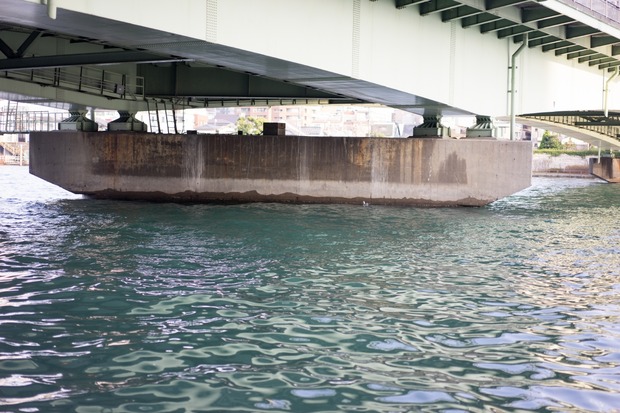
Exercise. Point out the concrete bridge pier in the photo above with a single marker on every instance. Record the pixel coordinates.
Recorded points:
(275, 168)
(606, 168)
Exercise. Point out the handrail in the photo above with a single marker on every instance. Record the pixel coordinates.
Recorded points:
(30, 121)
(84, 79)
(608, 126)
(19, 153)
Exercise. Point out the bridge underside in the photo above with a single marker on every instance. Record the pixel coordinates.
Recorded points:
(199, 73)
(190, 72)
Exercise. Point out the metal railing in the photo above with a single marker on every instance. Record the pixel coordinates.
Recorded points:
(30, 121)
(607, 9)
(14, 153)
(607, 126)
(84, 79)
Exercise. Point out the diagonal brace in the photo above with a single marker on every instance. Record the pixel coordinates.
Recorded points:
(26, 44)
(6, 50)
(9, 53)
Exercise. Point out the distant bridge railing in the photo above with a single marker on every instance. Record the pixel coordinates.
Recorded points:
(594, 121)
(84, 79)
(608, 9)
(30, 121)
(14, 153)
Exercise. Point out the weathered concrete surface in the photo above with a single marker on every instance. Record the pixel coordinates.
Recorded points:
(561, 164)
(233, 168)
(607, 169)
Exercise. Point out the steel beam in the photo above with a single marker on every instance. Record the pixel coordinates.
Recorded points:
(496, 4)
(555, 21)
(513, 31)
(546, 41)
(497, 25)
(589, 57)
(434, 6)
(401, 4)
(219, 84)
(83, 59)
(597, 41)
(8, 51)
(599, 123)
(478, 19)
(537, 14)
(26, 44)
(601, 61)
(581, 53)
(569, 49)
(537, 35)
(609, 65)
(459, 13)
(554, 46)
(573, 32)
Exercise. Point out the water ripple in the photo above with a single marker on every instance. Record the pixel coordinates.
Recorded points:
(121, 306)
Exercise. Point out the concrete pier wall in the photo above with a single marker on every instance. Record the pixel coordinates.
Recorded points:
(607, 169)
(197, 168)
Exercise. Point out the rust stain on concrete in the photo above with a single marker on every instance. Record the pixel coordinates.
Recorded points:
(453, 170)
(233, 168)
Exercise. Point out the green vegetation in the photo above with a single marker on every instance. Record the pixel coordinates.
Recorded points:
(551, 145)
(583, 154)
(550, 141)
(250, 125)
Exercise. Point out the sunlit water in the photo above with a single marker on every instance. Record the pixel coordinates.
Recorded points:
(139, 307)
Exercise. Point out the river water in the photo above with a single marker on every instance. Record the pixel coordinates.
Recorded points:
(139, 307)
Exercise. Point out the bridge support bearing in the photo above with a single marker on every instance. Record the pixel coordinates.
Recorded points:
(482, 129)
(126, 123)
(78, 121)
(431, 128)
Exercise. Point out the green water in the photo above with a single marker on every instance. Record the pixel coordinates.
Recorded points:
(139, 307)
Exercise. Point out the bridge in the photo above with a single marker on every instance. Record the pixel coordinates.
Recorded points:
(429, 57)
(486, 58)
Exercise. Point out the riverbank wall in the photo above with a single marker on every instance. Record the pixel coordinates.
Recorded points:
(235, 168)
(561, 165)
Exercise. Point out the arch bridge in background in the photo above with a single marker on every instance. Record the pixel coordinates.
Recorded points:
(591, 126)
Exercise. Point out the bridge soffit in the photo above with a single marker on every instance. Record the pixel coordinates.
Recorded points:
(82, 66)
(565, 27)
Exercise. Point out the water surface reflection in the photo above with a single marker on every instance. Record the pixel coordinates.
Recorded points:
(120, 306)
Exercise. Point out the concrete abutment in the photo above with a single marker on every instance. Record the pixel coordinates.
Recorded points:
(234, 168)
(606, 168)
